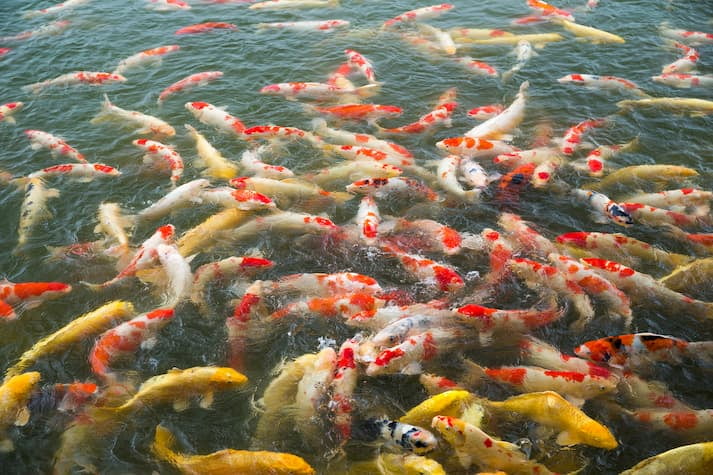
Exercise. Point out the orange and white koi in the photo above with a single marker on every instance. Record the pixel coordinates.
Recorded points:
(485, 112)
(637, 350)
(323, 285)
(536, 156)
(545, 9)
(316, 90)
(514, 182)
(167, 5)
(643, 288)
(289, 4)
(595, 159)
(686, 36)
(189, 82)
(573, 137)
(343, 384)
(701, 242)
(147, 124)
(126, 338)
(543, 172)
(356, 152)
(447, 174)
(34, 209)
(381, 188)
(594, 285)
(72, 397)
(407, 356)
(180, 197)
(685, 64)
(278, 132)
(506, 121)
(82, 172)
(642, 393)
(440, 115)
(27, 295)
(368, 218)
(652, 216)
(15, 393)
(7, 110)
(396, 435)
(90, 78)
(251, 163)
(367, 112)
(435, 384)
(48, 29)
(205, 27)
(477, 33)
(246, 200)
(622, 248)
(325, 25)
(443, 277)
(684, 80)
(56, 145)
(209, 157)
(419, 14)
(363, 140)
(500, 251)
(602, 82)
(290, 190)
(537, 274)
(601, 203)
(477, 67)
(692, 424)
(216, 117)
(465, 146)
(346, 306)
(361, 64)
(527, 237)
(537, 352)
(158, 151)
(65, 6)
(432, 235)
(149, 56)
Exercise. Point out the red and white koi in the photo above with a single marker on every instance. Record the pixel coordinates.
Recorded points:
(189, 82)
(82, 172)
(363, 140)
(594, 285)
(158, 151)
(149, 56)
(477, 33)
(681, 198)
(686, 36)
(465, 146)
(595, 159)
(48, 29)
(407, 357)
(278, 132)
(547, 10)
(323, 285)
(447, 174)
(228, 268)
(443, 277)
(34, 209)
(251, 163)
(147, 124)
(126, 338)
(342, 387)
(440, 115)
(325, 25)
(316, 90)
(15, 297)
(477, 67)
(573, 137)
(518, 158)
(237, 325)
(506, 121)
(432, 235)
(419, 14)
(500, 250)
(382, 316)
(246, 200)
(90, 78)
(65, 6)
(684, 80)
(685, 64)
(368, 219)
(486, 112)
(601, 203)
(381, 188)
(56, 145)
(290, 190)
(643, 288)
(289, 4)
(216, 117)
(217, 166)
(537, 352)
(642, 393)
(361, 64)
(537, 274)
(367, 112)
(543, 172)
(355, 152)
(691, 423)
(702, 242)
(73, 397)
(167, 5)
(180, 197)
(345, 306)
(7, 110)
(602, 82)
(179, 277)
(527, 237)
(652, 216)
(435, 384)
(205, 27)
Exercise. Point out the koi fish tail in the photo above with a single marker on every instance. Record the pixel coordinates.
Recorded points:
(104, 113)
(163, 442)
(368, 90)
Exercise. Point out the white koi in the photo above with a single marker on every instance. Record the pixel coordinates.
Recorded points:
(524, 53)
(147, 124)
(447, 173)
(178, 274)
(63, 7)
(180, 197)
(504, 122)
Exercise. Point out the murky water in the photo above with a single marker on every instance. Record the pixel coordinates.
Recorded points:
(104, 32)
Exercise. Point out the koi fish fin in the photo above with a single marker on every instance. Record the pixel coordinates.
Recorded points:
(180, 405)
(23, 417)
(567, 438)
(368, 90)
(575, 401)
(207, 400)
(473, 415)
(104, 113)
(11, 120)
(464, 458)
(341, 197)
(412, 368)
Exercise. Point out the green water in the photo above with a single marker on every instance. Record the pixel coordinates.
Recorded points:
(104, 32)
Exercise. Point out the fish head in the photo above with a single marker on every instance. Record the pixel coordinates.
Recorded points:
(619, 215)
(604, 350)
(227, 377)
(422, 441)
(451, 429)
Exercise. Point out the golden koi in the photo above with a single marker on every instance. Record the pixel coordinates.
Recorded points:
(15, 393)
(216, 165)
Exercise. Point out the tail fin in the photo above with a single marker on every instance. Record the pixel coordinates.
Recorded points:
(318, 125)
(104, 113)
(162, 445)
(34, 88)
(368, 90)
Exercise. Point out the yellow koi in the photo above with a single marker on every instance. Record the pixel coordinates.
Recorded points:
(203, 236)
(694, 459)
(397, 464)
(694, 275)
(449, 403)
(14, 395)
(630, 176)
(537, 39)
(216, 165)
(589, 33)
(675, 104)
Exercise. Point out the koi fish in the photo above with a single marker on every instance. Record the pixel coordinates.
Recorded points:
(56, 145)
(429, 272)
(189, 82)
(399, 435)
(434, 384)
(367, 112)
(676, 104)
(80, 77)
(89, 324)
(15, 393)
(684, 80)
(539, 353)
(377, 319)
(285, 222)
(72, 397)
(227, 460)
(632, 176)
(479, 68)
(612, 83)
(601, 203)
(326, 25)
(646, 393)
(7, 110)
(537, 39)
(361, 64)
(504, 122)
(594, 161)
(547, 10)
(368, 219)
(433, 236)
(113, 224)
(473, 174)
(408, 356)
(65, 6)
(149, 56)
(443, 42)
(205, 27)
(251, 163)
(246, 200)
(447, 174)
(524, 53)
(685, 64)
(363, 140)
(688, 458)
(688, 276)
(167, 5)
(525, 235)
(419, 14)
(399, 463)
(147, 124)
(291, 191)
(639, 349)
(320, 91)
(216, 117)
(381, 188)
(323, 285)
(48, 29)
(573, 137)
(652, 216)
(34, 209)
(27, 295)
(277, 132)
(594, 35)
(440, 115)
(216, 165)
(311, 391)
(82, 172)
(485, 112)
(552, 410)
(288, 4)
(158, 151)
(477, 33)
(680, 198)
(180, 197)
(473, 446)
(126, 338)
(643, 288)
(514, 182)
(470, 147)
(397, 331)
(691, 424)
(452, 402)
(686, 36)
